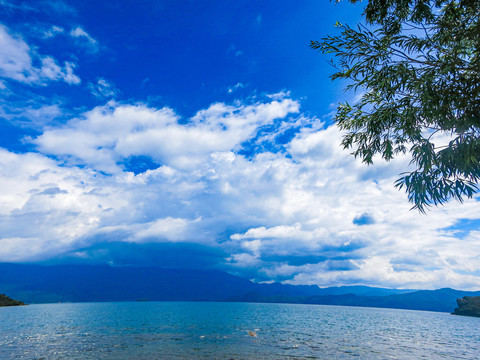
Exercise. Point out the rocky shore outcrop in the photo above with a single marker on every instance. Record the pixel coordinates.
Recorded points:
(468, 306)
(6, 301)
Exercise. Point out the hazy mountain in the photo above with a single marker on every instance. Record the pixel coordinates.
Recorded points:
(78, 283)
(444, 300)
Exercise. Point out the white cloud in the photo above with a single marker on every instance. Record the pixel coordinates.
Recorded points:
(170, 229)
(34, 114)
(53, 31)
(17, 63)
(15, 60)
(85, 39)
(42, 115)
(110, 133)
(51, 71)
(286, 215)
(235, 87)
(44, 205)
(103, 89)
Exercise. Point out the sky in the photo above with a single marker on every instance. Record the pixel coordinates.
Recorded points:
(200, 134)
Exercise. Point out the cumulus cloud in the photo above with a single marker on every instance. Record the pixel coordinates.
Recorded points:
(107, 134)
(290, 215)
(18, 62)
(44, 208)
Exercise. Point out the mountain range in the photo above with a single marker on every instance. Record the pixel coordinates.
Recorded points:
(32, 283)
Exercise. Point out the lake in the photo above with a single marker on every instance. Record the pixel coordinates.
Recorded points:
(206, 330)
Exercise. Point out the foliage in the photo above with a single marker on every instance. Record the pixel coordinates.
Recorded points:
(6, 301)
(468, 306)
(417, 63)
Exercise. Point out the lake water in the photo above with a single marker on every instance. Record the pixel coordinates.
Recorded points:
(196, 330)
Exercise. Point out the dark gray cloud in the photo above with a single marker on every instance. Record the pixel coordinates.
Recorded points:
(165, 255)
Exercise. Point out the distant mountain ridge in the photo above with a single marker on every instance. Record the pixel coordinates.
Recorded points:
(443, 300)
(81, 283)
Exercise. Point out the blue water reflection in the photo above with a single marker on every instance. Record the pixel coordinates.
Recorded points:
(190, 330)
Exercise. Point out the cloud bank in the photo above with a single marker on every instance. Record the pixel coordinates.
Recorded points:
(302, 211)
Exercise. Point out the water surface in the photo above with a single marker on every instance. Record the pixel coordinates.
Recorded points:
(202, 330)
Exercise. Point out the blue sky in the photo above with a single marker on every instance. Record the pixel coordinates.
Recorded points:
(199, 134)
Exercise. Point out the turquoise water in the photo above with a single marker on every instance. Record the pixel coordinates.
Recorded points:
(190, 330)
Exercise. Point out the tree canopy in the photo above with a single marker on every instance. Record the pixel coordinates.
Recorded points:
(417, 65)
